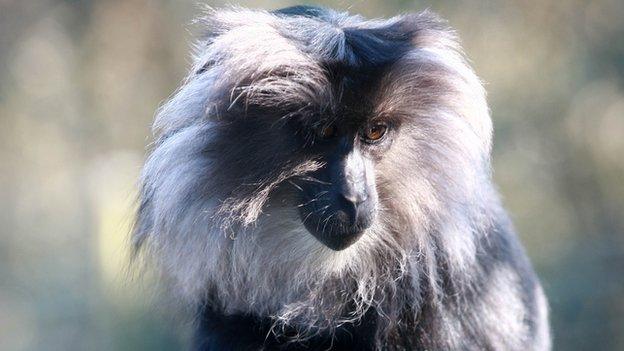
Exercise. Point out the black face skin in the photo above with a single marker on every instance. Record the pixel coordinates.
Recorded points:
(339, 201)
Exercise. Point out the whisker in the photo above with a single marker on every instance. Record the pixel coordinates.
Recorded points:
(315, 180)
(295, 185)
(327, 220)
(316, 198)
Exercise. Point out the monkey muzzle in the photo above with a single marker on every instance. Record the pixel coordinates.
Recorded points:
(337, 212)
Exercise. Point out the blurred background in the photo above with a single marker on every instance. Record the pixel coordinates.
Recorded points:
(80, 80)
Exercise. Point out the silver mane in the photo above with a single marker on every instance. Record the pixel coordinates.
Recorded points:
(222, 222)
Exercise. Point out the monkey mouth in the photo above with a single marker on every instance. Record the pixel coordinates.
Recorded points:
(337, 231)
(338, 241)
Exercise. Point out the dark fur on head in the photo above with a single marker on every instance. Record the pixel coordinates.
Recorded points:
(437, 265)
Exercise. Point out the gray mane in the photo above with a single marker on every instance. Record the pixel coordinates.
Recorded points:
(217, 212)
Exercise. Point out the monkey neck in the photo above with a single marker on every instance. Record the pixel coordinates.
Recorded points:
(374, 330)
(408, 317)
(217, 331)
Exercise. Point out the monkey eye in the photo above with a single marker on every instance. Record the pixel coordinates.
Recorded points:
(328, 131)
(375, 132)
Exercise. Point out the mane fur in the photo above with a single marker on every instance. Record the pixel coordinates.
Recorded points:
(219, 218)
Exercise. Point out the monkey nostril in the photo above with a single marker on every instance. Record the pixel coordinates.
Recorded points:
(355, 198)
(354, 192)
(354, 205)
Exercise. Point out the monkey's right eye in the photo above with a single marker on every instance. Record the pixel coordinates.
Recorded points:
(328, 131)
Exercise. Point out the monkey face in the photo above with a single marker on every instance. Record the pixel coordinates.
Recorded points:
(339, 201)
(339, 128)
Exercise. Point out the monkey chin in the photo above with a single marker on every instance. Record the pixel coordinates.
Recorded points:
(340, 237)
(340, 241)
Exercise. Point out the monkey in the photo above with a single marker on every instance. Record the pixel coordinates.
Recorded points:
(322, 181)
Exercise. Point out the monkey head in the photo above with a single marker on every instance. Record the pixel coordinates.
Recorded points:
(314, 147)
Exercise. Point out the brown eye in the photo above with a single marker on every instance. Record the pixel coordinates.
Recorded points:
(375, 132)
(328, 131)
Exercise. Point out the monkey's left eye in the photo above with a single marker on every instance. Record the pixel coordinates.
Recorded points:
(375, 132)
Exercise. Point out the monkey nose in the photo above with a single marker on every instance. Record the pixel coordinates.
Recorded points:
(354, 196)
